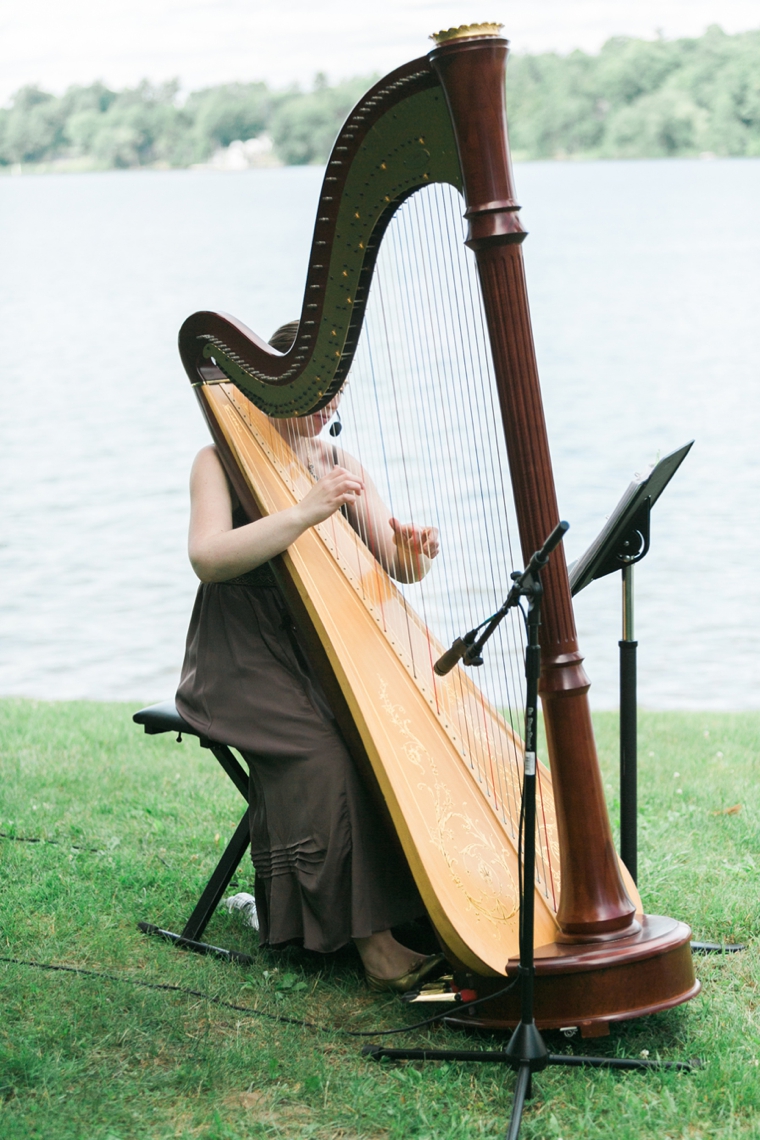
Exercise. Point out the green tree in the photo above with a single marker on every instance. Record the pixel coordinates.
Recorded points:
(657, 125)
(84, 109)
(640, 98)
(305, 125)
(223, 114)
(138, 127)
(627, 69)
(33, 127)
(634, 99)
(554, 106)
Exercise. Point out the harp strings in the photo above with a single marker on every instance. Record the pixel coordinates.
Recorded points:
(495, 499)
(421, 414)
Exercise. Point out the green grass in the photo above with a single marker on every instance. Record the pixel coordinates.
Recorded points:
(88, 1059)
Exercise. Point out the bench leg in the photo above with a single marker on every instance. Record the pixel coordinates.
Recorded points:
(209, 901)
(219, 881)
(231, 766)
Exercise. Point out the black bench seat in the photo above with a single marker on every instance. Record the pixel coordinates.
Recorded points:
(164, 717)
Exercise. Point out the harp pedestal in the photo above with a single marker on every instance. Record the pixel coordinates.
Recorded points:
(593, 985)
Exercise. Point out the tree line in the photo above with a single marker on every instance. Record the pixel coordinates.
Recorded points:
(633, 99)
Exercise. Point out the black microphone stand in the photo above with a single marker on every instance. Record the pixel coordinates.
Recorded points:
(526, 1052)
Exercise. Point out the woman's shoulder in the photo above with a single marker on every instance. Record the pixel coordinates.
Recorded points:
(333, 456)
(208, 476)
(207, 459)
(208, 467)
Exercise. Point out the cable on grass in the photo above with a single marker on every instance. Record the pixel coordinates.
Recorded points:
(168, 987)
(231, 1005)
(54, 842)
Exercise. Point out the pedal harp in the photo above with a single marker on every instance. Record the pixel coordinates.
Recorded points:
(445, 753)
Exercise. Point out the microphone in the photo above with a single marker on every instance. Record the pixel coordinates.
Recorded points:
(470, 645)
(336, 427)
(449, 659)
(458, 650)
(541, 557)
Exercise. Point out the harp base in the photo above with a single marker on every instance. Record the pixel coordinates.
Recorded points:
(592, 986)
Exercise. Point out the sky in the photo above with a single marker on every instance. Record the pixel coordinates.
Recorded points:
(203, 42)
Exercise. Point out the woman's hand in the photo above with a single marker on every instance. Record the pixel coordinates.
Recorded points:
(336, 489)
(415, 546)
(218, 552)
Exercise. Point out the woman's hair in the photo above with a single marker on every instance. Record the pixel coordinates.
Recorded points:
(284, 338)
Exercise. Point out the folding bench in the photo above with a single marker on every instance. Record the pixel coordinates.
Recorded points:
(165, 718)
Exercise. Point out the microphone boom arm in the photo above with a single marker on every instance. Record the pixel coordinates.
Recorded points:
(527, 582)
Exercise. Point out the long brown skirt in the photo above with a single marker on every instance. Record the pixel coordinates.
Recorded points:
(327, 870)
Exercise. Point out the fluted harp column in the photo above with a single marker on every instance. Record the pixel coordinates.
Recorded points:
(594, 904)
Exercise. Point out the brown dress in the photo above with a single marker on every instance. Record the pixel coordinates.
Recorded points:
(326, 868)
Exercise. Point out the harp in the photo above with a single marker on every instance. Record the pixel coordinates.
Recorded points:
(444, 753)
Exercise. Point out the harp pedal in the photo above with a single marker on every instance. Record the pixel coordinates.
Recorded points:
(443, 990)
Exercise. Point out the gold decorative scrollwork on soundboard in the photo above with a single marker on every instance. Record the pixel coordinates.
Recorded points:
(480, 858)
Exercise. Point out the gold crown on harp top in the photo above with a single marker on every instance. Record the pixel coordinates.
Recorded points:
(466, 31)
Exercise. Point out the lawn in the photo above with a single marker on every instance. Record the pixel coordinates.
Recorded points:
(132, 826)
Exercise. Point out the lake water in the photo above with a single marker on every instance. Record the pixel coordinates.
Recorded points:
(644, 280)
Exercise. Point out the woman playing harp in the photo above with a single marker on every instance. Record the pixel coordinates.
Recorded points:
(428, 143)
(326, 871)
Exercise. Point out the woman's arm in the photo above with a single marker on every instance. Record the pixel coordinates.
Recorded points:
(415, 547)
(217, 552)
(405, 551)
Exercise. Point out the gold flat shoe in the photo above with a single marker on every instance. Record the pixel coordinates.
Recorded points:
(406, 982)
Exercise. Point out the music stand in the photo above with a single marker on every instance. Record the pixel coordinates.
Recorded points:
(622, 542)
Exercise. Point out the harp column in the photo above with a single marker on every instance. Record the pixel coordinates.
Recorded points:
(470, 63)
